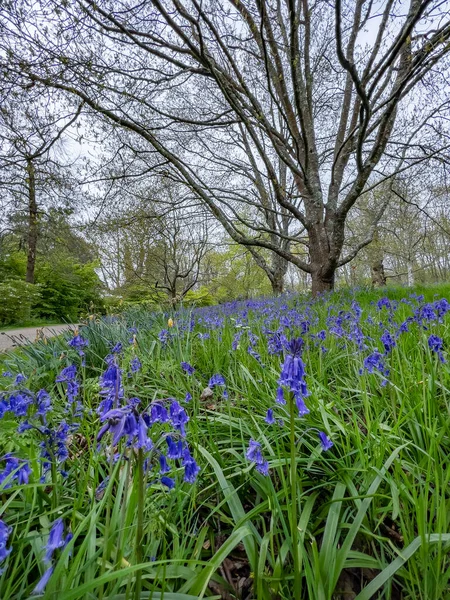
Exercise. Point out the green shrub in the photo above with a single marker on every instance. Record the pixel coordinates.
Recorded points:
(17, 299)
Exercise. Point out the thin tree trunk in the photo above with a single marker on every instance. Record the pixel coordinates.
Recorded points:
(278, 273)
(32, 222)
(410, 280)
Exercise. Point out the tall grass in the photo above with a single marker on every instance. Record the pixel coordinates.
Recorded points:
(369, 518)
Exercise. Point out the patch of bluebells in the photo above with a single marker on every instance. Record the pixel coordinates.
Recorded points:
(130, 423)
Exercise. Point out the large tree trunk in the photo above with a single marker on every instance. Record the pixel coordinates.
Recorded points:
(322, 282)
(378, 275)
(32, 222)
(323, 257)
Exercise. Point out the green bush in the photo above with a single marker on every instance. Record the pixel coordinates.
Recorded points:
(68, 288)
(17, 299)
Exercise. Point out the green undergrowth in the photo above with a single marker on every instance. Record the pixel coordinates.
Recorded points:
(372, 513)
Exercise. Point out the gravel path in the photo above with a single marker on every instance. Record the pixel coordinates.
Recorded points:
(17, 337)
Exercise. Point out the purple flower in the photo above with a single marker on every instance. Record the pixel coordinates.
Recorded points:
(269, 417)
(44, 403)
(15, 470)
(325, 441)
(188, 397)
(67, 374)
(175, 449)
(55, 539)
(168, 482)
(42, 583)
(293, 373)
(189, 369)
(388, 342)
(191, 469)
(158, 413)
(135, 365)
(19, 379)
(5, 532)
(216, 379)
(111, 388)
(435, 343)
(178, 417)
(254, 454)
(280, 396)
(117, 348)
(7, 374)
(164, 467)
(78, 342)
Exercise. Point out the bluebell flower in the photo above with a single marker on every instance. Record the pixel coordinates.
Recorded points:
(280, 396)
(7, 374)
(178, 417)
(55, 539)
(67, 374)
(435, 343)
(42, 583)
(143, 441)
(189, 369)
(388, 342)
(254, 455)
(175, 449)
(15, 470)
(293, 374)
(117, 348)
(163, 465)
(216, 379)
(43, 402)
(191, 469)
(168, 482)
(19, 403)
(19, 379)
(188, 397)
(5, 532)
(158, 413)
(111, 388)
(325, 441)
(135, 365)
(119, 422)
(300, 403)
(269, 417)
(78, 342)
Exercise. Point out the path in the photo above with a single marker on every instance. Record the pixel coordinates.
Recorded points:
(17, 337)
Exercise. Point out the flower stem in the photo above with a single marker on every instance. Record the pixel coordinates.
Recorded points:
(140, 521)
(293, 503)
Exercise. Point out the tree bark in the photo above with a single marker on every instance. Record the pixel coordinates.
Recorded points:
(32, 221)
(322, 282)
(277, 275)
(378, 275)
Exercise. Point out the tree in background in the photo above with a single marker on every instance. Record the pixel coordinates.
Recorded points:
(341, 114)
(66, 280)
(33, 174)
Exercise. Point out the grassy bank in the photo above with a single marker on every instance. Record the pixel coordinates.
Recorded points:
(286, 516)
